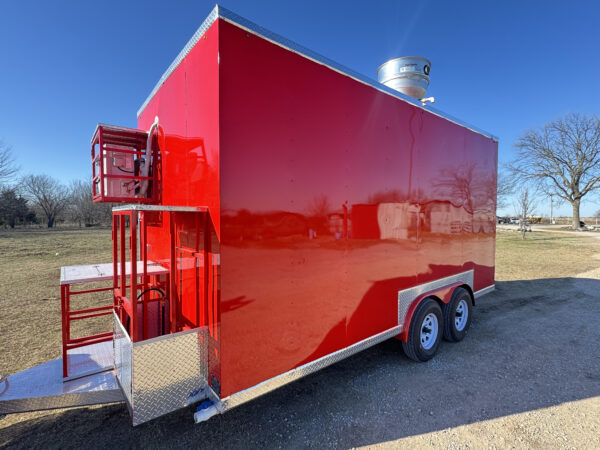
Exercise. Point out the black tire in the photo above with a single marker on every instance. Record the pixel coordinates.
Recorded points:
(415, 348)
(454, 331)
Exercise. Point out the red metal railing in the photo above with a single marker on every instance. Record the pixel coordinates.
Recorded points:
(69, 316)
(143, 294)
(144, 283)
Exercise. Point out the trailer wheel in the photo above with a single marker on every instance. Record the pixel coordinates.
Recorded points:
(457, 315)
(425, 331)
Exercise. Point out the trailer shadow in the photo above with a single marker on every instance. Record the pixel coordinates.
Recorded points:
(528, 348)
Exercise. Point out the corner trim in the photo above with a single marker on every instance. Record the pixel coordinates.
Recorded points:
(484, 291)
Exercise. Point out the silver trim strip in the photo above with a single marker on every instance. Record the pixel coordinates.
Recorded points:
(219, 12)
(123, 354)
(403, 57)
(143, 207)
(269, 385)
(486, 290)
(169, 336)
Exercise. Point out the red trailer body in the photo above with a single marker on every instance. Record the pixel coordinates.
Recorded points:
(273, 142)
(299, 213)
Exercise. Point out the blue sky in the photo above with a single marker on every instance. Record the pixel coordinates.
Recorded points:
(502, 66)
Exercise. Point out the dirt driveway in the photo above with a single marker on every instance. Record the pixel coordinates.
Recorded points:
(527, 375)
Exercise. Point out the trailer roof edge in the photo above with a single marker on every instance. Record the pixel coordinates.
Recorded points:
(218, 12)
(212, 17)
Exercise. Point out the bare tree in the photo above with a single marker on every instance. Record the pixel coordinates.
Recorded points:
(8, 168)
(81, 205)
(505, 190)
(320, 206)
(562, 157)
(524, 207)
(82, 208)
(459, 184)
(47, 193)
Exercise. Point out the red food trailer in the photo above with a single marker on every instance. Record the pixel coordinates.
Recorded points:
(283, 213)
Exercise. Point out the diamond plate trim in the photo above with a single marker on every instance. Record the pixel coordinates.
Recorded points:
(160, 375)
(407, 296)
(166, 372)
(61, 401)
(269, 385)
(219, 12)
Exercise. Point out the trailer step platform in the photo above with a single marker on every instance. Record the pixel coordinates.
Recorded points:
(43, 387)
(90, 359)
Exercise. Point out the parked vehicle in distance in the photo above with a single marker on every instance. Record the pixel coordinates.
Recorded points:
(535, 219)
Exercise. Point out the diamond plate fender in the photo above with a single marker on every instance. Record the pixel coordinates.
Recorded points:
(408, 299)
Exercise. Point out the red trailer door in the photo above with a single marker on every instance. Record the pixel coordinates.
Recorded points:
(196, 289)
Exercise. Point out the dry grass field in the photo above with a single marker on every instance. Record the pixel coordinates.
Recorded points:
(30, 295)
(544, 255)
(30, 334)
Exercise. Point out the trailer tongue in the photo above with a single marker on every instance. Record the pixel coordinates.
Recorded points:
(275, 213)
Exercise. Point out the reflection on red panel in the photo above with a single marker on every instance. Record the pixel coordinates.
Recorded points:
(187, 105)
(326, 197)
(330, 207)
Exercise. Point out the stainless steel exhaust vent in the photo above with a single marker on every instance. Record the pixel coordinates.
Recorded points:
(409, 75)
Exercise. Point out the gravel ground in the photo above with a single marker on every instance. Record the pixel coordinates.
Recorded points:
(526, 376)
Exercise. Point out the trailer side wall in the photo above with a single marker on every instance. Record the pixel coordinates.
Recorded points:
(334, 197)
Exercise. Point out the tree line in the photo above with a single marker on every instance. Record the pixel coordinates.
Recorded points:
(41, 199)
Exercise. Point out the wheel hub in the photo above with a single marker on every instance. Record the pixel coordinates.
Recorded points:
(429, 331)
(461, 316)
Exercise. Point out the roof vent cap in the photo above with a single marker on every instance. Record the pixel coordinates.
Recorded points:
(409, 75)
